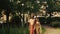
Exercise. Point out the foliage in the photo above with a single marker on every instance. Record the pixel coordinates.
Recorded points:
(53, 5)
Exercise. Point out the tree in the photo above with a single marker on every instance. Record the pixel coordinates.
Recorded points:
(56, 6)
(4, 4)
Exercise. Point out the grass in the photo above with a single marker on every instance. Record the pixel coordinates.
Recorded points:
(43, 30)
(16, 30)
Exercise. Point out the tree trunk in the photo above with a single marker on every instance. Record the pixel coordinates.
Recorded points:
(7, 21)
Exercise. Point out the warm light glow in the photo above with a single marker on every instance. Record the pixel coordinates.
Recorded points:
(42, 6)
(32, 7)
(38, 1)
(11, 0)
(18, 1)
(22, 4)
(45, 2)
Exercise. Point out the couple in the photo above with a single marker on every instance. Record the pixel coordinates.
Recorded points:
(34, 25)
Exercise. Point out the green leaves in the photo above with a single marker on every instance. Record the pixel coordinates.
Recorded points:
(53, 5)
